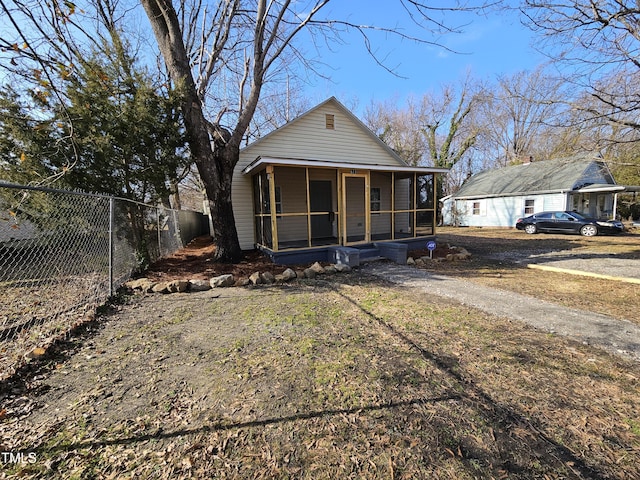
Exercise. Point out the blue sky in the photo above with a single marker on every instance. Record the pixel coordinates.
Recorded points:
(492, 45)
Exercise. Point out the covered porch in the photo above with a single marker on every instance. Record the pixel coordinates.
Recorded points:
(303, 209)
(599, 200)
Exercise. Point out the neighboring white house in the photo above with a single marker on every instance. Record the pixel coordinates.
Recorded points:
(497, 198)
(323, 180)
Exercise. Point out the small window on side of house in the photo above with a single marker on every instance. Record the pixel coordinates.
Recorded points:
(278, 200)
(529, 207)
(330, 121)
(375, 199)
(476, 208)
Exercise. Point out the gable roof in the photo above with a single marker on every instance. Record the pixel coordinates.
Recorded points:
(333, 101)
(546, 176)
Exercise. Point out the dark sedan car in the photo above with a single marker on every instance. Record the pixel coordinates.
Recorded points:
(567, 222)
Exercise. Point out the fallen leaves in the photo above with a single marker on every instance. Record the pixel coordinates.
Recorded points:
(368, 386)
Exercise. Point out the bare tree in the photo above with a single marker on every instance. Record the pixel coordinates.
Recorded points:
(518, 112)
(449, 132)
(597, 45)
(437, 130)
(434, 130)
(400, 128)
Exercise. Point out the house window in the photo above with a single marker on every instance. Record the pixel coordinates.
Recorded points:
(476, 208)
(529, 207)
(278, 200)
(330, 121)
(375, 199)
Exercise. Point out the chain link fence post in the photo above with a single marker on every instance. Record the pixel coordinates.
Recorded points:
(111, 244)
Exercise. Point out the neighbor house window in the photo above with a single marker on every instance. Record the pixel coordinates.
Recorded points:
(375, 199)
(528, 207)
(476, 208)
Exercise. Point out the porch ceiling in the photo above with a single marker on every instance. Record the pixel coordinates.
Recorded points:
(262, 162)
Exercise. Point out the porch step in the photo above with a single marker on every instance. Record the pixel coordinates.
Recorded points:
(369, 253)
(372, 259)
(352, 256)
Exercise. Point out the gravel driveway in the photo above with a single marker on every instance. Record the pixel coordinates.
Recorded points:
(617, 336)
(610, 265)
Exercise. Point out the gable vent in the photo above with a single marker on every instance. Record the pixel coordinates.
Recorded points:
(330, 121)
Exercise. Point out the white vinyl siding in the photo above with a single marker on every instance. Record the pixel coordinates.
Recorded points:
(308, 138)
(242, 198)
(500, 211)
(551, 202)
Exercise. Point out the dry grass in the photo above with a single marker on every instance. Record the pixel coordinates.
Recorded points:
(340, 378)
(492, 264)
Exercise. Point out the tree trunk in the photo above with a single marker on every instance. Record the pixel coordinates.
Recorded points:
(215, 156)
(217, 174)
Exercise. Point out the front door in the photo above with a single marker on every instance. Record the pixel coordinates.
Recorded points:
(321, 206)
(355, 201)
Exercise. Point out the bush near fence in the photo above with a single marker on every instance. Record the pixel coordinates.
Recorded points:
(62, 254)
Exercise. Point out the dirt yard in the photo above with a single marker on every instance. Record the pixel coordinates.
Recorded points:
(339, 377)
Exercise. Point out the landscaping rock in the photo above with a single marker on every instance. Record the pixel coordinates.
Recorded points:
(331, 269)
(242, 282)
(461, 254)
(199, 285)
(220, 281)
(286, 276)
(310, 273)
(255, 278)
(177, 286)
(420, 262)
(161, 287)
(267, 277)
(143, 284)
(289, 274)
(342, 267)
(411, 261)
(316, 267)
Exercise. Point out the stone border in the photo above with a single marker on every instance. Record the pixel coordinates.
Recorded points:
(146, 285)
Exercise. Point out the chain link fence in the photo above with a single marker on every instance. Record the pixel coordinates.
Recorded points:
(62, 254)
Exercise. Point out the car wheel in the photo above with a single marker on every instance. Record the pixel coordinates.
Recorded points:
(589, 230)
(530, 229)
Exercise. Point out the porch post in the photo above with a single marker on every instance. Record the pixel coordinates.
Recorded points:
(306, 170)
(393, 205)
(436, 206)
(272, 206)
(415, 203)
(615, 205)
(339, 211)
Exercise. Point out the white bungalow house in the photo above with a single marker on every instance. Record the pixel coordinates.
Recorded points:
(497, 198)
(325, 187)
